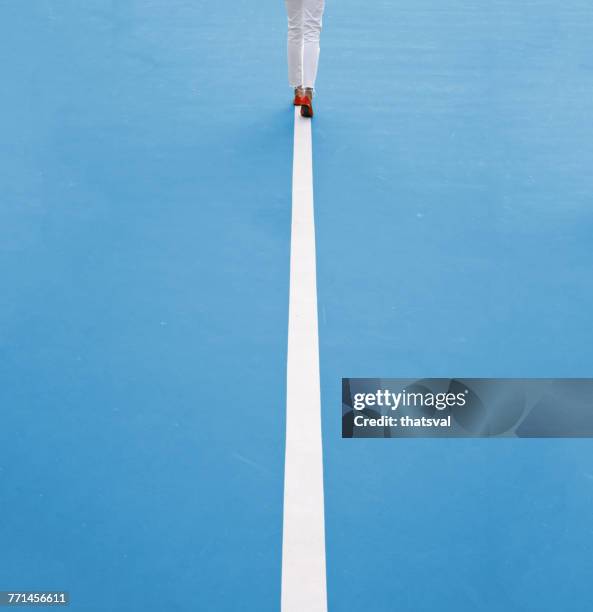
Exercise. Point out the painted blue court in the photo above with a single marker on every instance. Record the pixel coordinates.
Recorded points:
(145, 235)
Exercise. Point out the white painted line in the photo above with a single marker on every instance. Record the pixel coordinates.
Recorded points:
(303, 547)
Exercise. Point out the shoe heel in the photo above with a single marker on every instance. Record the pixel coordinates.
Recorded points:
(306, 111)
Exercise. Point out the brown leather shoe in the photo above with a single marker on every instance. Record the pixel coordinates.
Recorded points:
(307, 103)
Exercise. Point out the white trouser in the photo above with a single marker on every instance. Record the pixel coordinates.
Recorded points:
(304, 28)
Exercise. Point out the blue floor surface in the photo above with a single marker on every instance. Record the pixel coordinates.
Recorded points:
(454, 227)
(144, 249)
(144, 252)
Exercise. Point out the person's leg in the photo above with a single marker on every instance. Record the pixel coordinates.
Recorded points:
(312, 23)
(294, 10)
